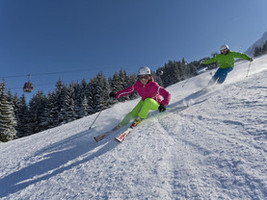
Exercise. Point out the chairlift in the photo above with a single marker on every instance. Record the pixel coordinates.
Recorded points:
(28, 87)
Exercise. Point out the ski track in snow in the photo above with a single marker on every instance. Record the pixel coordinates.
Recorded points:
(214, 149)
(230, 171)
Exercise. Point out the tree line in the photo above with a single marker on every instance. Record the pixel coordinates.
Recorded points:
(76, 100)
(261, 50)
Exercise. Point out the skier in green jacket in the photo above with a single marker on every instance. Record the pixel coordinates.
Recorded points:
(226, 61)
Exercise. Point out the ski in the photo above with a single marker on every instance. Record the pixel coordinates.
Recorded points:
(103, 135)
(122, 136)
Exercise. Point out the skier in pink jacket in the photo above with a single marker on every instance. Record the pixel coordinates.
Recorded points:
(150, 92)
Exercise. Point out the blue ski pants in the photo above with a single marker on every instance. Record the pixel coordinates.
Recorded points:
(220, 75)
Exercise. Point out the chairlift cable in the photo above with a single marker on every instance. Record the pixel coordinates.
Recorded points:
(51, 73)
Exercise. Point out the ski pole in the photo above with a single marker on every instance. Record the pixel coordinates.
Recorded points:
(248, 68)
(99, 113)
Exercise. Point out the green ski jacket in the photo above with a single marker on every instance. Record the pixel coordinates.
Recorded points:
(227, 60)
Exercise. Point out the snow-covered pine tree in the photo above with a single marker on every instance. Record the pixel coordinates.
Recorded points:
(193, 70)
(157, 78)
(23, 128)
(56, 103)
(52, 116)
(90, 98)
(78, 96)
(37, 112)
(99, 91)
(67, 113)
(15, 104)
(178, 72)
(172, 73)
(118, 84)
(130, 81)
(7, 117)
(84, 111)
(115, 84)
(165, 76)
(123, 78)
(105, 87)
(264, 48)
(260, 50)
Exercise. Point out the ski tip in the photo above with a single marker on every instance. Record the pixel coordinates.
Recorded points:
(118, 140)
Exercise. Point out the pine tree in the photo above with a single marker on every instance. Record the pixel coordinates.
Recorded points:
(37, 112)
(116, 83)
(257, 51)
(99, 91)
(124, 82)
(79, 94)
(193, 70)
(131, 80)
(23, 118)
(183, 61)
(172, 73)
(90, 98)
(67, 113)
(56, 104)
(157, 77)
(84, 111)
(52, 117)
(7, 117)
(264, 48)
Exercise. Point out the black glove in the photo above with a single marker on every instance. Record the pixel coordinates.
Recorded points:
(162, 108)
(251, 59)
(112, 94)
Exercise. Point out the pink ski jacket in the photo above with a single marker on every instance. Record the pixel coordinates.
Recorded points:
(150, 90)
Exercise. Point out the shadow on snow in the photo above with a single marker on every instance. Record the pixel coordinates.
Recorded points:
(55, 159)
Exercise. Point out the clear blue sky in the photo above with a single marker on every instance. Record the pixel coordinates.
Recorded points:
(51, 36)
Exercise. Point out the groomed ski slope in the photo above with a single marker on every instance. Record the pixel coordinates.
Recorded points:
(214, 149)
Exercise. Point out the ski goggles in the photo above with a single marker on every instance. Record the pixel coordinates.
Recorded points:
(146, 77)
(224, 50)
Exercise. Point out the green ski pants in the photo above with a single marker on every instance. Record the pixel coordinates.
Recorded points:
(141, 110)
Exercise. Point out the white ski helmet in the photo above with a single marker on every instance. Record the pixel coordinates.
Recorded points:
(144, 71)
(223, 47)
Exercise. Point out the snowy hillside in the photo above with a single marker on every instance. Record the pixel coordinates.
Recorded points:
(258, 43)
(214, 149)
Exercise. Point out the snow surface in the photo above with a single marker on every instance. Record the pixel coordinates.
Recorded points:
(214, 149)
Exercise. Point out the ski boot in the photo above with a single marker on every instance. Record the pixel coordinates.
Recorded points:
(136, 122)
